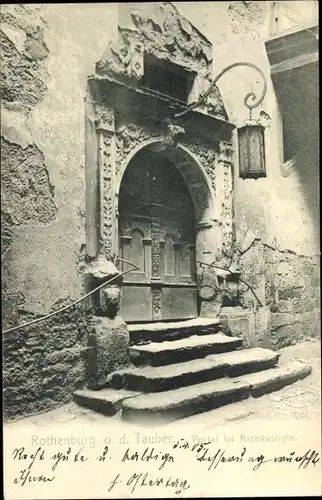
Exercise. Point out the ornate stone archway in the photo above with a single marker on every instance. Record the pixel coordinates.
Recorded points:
(199, 185)
(123, 117)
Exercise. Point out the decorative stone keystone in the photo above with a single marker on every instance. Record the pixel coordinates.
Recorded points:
(172, 133)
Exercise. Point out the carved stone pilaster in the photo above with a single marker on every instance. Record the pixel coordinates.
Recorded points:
(107, 222)
(104, 118)
(108, 342)
(227, 210)
(155, 235)
(156, 303)
(225, 165)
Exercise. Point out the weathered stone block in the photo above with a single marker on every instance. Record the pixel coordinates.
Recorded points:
(54, 380)
(76, 376)
(308, 269)
(307, 305)
(65, 336)
(67, 355)
(289, 293)
(311, 324)
(281, 319)
(106, 301)
(287, 335)
(109, 349)
(57, 368)
(235, 322)
(288, 306)
(210, 309)
(58, 394)
(315, 281)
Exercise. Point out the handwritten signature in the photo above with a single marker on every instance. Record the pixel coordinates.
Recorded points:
(144, 479)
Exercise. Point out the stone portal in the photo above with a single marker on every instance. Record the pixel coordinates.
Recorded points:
(157, 233)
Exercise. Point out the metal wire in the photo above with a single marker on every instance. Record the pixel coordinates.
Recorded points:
(204, 264)
(43, 318)
(249, 97)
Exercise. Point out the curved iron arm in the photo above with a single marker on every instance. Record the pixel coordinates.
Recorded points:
(203, 265)
(249, 97)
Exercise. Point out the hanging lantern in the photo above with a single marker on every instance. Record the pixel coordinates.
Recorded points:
(251, 148)
(252, 163)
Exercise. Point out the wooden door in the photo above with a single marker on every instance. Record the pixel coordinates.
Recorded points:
(157, 233)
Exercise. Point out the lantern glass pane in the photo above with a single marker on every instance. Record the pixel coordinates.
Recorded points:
(255, 149)
(251, 152)
(243, 151)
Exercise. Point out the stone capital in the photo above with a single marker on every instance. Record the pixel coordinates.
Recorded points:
(226, 151)
(104, 118)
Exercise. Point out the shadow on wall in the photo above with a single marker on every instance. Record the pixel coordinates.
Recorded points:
(298, 98)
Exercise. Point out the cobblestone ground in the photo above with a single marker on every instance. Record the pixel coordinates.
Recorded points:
(268, 407)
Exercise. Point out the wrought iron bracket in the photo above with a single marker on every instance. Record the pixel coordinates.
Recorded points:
(203, 265)
(250, 100)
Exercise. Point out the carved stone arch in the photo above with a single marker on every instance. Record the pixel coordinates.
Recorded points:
(208, 237)
(191, 170)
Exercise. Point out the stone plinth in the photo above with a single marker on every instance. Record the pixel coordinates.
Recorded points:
(108, 341)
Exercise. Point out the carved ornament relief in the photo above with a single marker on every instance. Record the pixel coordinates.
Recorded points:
(127, 139)
(107, 194)
(157, 29)
(116, 148)
(207, 158)
(227, 211)
(226, 151)
(104, 118)
(161, 31)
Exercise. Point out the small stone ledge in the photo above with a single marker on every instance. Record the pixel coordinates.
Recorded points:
(107, 401)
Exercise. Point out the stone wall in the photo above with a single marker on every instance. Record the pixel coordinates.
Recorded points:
(45, 64)
(276, 220)
(44, 363)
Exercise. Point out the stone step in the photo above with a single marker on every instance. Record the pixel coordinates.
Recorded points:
(176, 404)
(165, 378)
(174, 330)
(105, 401)
(175, 351)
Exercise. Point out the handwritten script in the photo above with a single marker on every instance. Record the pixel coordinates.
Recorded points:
(161, 472)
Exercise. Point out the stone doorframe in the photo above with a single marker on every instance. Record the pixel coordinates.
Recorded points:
(205, 164)
(198, 184)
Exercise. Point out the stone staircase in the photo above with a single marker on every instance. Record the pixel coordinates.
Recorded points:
(183, 368)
